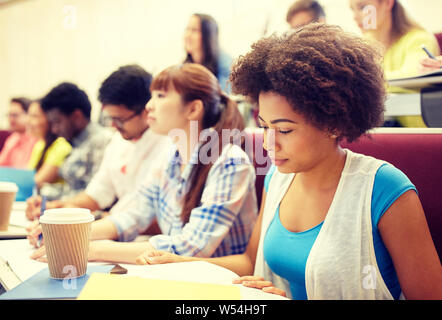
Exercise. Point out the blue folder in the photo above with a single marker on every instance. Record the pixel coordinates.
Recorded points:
(23, 178)
(40, 286)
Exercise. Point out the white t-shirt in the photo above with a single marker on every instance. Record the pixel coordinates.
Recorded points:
(125, 164)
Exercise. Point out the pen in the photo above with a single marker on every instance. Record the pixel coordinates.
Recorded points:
(42, 210)
(429, 54)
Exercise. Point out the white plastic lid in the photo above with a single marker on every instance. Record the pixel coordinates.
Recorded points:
(8, 186)
(66, 216)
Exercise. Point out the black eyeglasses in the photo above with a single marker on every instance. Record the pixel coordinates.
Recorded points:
(118, 122)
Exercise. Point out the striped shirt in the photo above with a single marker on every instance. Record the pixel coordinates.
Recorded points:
(220, 225)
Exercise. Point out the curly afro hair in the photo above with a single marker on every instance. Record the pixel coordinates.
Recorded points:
(333, 78)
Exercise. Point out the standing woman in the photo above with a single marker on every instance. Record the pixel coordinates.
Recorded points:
(203, 195)
(334, 224)
(202, 47)
(387, 22)
(49, 152)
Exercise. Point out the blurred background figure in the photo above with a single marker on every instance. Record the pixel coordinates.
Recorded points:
(303, 12)
(131, 153)
(68, 111)
(202, 47)
(50, 151)
(18, 146)
(387, 22)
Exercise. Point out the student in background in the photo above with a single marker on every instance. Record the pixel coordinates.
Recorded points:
(18, 146)
(49, 152)
(303, 12)
(203, 194)
(333, 224)
(202, 46)
(132, 152)
(387, 22)
(68, 110)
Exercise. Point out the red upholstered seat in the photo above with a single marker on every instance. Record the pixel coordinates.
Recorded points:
(439, 40)
(418, 153)
(254, 147)
(3, 135)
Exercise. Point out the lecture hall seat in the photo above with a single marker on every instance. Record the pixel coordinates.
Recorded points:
(439, 40)
(417, 152)
(258, 155)
(4, 134)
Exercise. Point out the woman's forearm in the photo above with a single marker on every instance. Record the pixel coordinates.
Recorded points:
(118, 252)
(103, 229)
(238, 263)
(82, 200)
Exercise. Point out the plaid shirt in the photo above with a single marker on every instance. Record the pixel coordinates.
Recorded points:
(220, 225)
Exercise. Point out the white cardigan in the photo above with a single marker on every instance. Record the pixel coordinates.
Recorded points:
(342, 262)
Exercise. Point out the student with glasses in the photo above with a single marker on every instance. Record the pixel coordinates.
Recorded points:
(118, 123)
(132, 150)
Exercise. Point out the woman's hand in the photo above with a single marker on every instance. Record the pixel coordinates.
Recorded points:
(33, 207)
(158, 257)
(40, 254)
(34, 231)
(429, 65)
(259, 283)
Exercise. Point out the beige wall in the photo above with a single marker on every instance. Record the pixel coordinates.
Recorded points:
(44, 42)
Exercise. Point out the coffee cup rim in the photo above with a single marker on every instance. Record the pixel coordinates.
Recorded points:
(7, 186)
(66, 216)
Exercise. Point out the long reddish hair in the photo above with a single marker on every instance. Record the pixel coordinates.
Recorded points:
(195, 82)
(402, 22)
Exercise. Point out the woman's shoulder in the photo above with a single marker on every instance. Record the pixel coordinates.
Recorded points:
(389, 184)
(417, 32)
(421, 36)
(61, 144)
(389, 177)
(13, 139)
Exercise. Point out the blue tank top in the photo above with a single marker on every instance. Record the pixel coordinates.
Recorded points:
(286, 252)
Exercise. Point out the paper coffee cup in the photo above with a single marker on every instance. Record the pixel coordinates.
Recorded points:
(66, 233)
(8, 190)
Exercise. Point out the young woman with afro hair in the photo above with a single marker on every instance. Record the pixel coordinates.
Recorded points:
(333, 224)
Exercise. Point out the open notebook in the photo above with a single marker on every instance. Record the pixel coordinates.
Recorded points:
(121, 287)
(419, 81)
(165, 281)
(196, 280)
